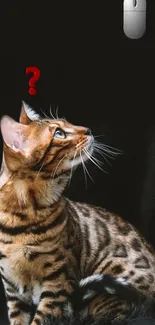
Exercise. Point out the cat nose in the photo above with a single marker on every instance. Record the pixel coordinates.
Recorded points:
(87, 131)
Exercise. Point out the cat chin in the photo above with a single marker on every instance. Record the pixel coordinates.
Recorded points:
(75, 162)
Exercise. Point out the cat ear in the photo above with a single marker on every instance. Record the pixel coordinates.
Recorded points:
(27, 114)
(12, 133)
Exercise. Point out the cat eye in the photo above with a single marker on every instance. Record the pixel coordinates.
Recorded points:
(59, 134)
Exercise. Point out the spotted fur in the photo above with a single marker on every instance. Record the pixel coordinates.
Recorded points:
(48, 242)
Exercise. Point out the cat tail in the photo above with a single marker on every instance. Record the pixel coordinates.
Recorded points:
(89, 287)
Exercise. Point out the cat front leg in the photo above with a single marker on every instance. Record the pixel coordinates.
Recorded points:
(55, 294)
(19, 313)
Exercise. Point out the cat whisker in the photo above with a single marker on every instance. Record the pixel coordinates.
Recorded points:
(105, 151)
(72, 167)
(103, 147)
(99, 162)
(39, 172)
(56, 112)
(115, 150)
(51, 114)
(43, 112)
(110, 149)
(54, 115)
(103, 155)
(93, 161)
(55, 170)
(85, 169)
(110, 154)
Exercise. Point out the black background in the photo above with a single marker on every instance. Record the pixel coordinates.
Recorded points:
(101, 80)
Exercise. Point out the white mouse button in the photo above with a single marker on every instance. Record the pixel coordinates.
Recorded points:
(135, 18)
(129, 5)
(141, 5)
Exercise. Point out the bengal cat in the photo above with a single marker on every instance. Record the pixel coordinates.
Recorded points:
(48, 241)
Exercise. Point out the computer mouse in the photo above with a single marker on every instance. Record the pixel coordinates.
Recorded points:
(134, 18)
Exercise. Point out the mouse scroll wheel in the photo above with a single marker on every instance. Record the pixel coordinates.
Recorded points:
(134, 3)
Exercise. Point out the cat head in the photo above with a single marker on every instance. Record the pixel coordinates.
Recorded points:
(40, 144)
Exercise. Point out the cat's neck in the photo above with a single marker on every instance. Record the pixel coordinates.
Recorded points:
(22, 189)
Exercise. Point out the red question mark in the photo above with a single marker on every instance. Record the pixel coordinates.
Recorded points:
(36, 72)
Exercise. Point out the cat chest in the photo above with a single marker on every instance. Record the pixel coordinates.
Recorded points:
(25, 274)
(22, 261)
